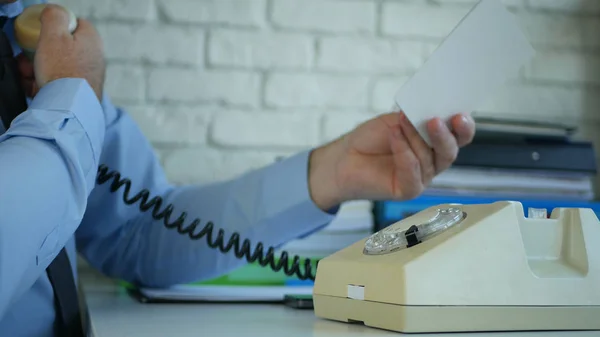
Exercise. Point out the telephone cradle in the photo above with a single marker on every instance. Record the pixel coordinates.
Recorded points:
(467, 268)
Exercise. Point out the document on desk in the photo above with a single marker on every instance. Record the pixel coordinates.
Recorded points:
(482, 53)
(217, 293)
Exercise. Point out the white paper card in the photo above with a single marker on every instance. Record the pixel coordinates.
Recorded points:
(484, 51)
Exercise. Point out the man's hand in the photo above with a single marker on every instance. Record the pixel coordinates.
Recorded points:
(61, 54)
(385, 158)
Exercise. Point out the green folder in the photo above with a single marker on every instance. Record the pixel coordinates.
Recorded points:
(250, 275)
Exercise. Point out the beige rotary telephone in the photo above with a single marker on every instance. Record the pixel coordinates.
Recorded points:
(462, 268)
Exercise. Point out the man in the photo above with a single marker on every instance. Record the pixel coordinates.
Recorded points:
(49, 199)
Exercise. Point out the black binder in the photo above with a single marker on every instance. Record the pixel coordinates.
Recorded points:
(529, 155)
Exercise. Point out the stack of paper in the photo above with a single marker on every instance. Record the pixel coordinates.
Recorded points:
(353, 223)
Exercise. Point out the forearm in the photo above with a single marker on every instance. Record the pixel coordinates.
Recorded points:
(270, 206)
(48, 164)
(322, 178)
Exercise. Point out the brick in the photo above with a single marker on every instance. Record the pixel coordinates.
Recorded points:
(155, 44)
(244, 129)
(238, 88)
(514, 3)
(452, 2)
(206, 165)
(590, 101)
(567, 6)
(557, 30)
(384, 91)
(136, 10)
(340, 16)
(369, 55)
(508, 3)
(173, 124)
(87, 9)
(316, 90)
(232, 12)
(338, 124)
(541, 102)
(565, 67)
(125, 83)
(591, 31)
(264, 50)
(420, 20)
(161, 154)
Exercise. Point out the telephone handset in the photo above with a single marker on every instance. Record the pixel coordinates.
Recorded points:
(13, 102)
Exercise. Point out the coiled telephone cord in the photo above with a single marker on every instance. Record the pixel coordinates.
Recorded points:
(302, 272)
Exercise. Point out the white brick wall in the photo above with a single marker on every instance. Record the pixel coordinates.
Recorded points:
(222, 86)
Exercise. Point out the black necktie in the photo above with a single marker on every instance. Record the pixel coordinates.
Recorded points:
(68, 313)
(69, 321)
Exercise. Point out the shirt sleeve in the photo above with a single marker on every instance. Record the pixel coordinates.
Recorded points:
(270, 206)
(12, 9)
(49, 159)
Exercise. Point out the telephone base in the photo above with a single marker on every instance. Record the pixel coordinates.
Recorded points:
(442, 319)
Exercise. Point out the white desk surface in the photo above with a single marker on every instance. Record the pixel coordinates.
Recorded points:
(114, 314)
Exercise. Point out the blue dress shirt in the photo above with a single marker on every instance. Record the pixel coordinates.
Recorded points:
(49, 158)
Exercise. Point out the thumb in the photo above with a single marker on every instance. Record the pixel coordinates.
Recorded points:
(55, 22)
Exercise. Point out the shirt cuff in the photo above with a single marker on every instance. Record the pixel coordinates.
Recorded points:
(286, 190)
(76, 97)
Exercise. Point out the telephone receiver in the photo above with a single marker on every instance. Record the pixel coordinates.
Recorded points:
(448, 268)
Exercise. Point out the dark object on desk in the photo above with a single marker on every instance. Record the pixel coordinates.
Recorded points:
(141, 297)
(549, 156)
(527, 145)
(299, 301)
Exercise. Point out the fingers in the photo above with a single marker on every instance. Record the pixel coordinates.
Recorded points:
(406, 165)
(27, 75)
(444, 144)
(55, 23)
(61, 54)
(25, 66)
(84, 27)
(420, 148)
(464, 129)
